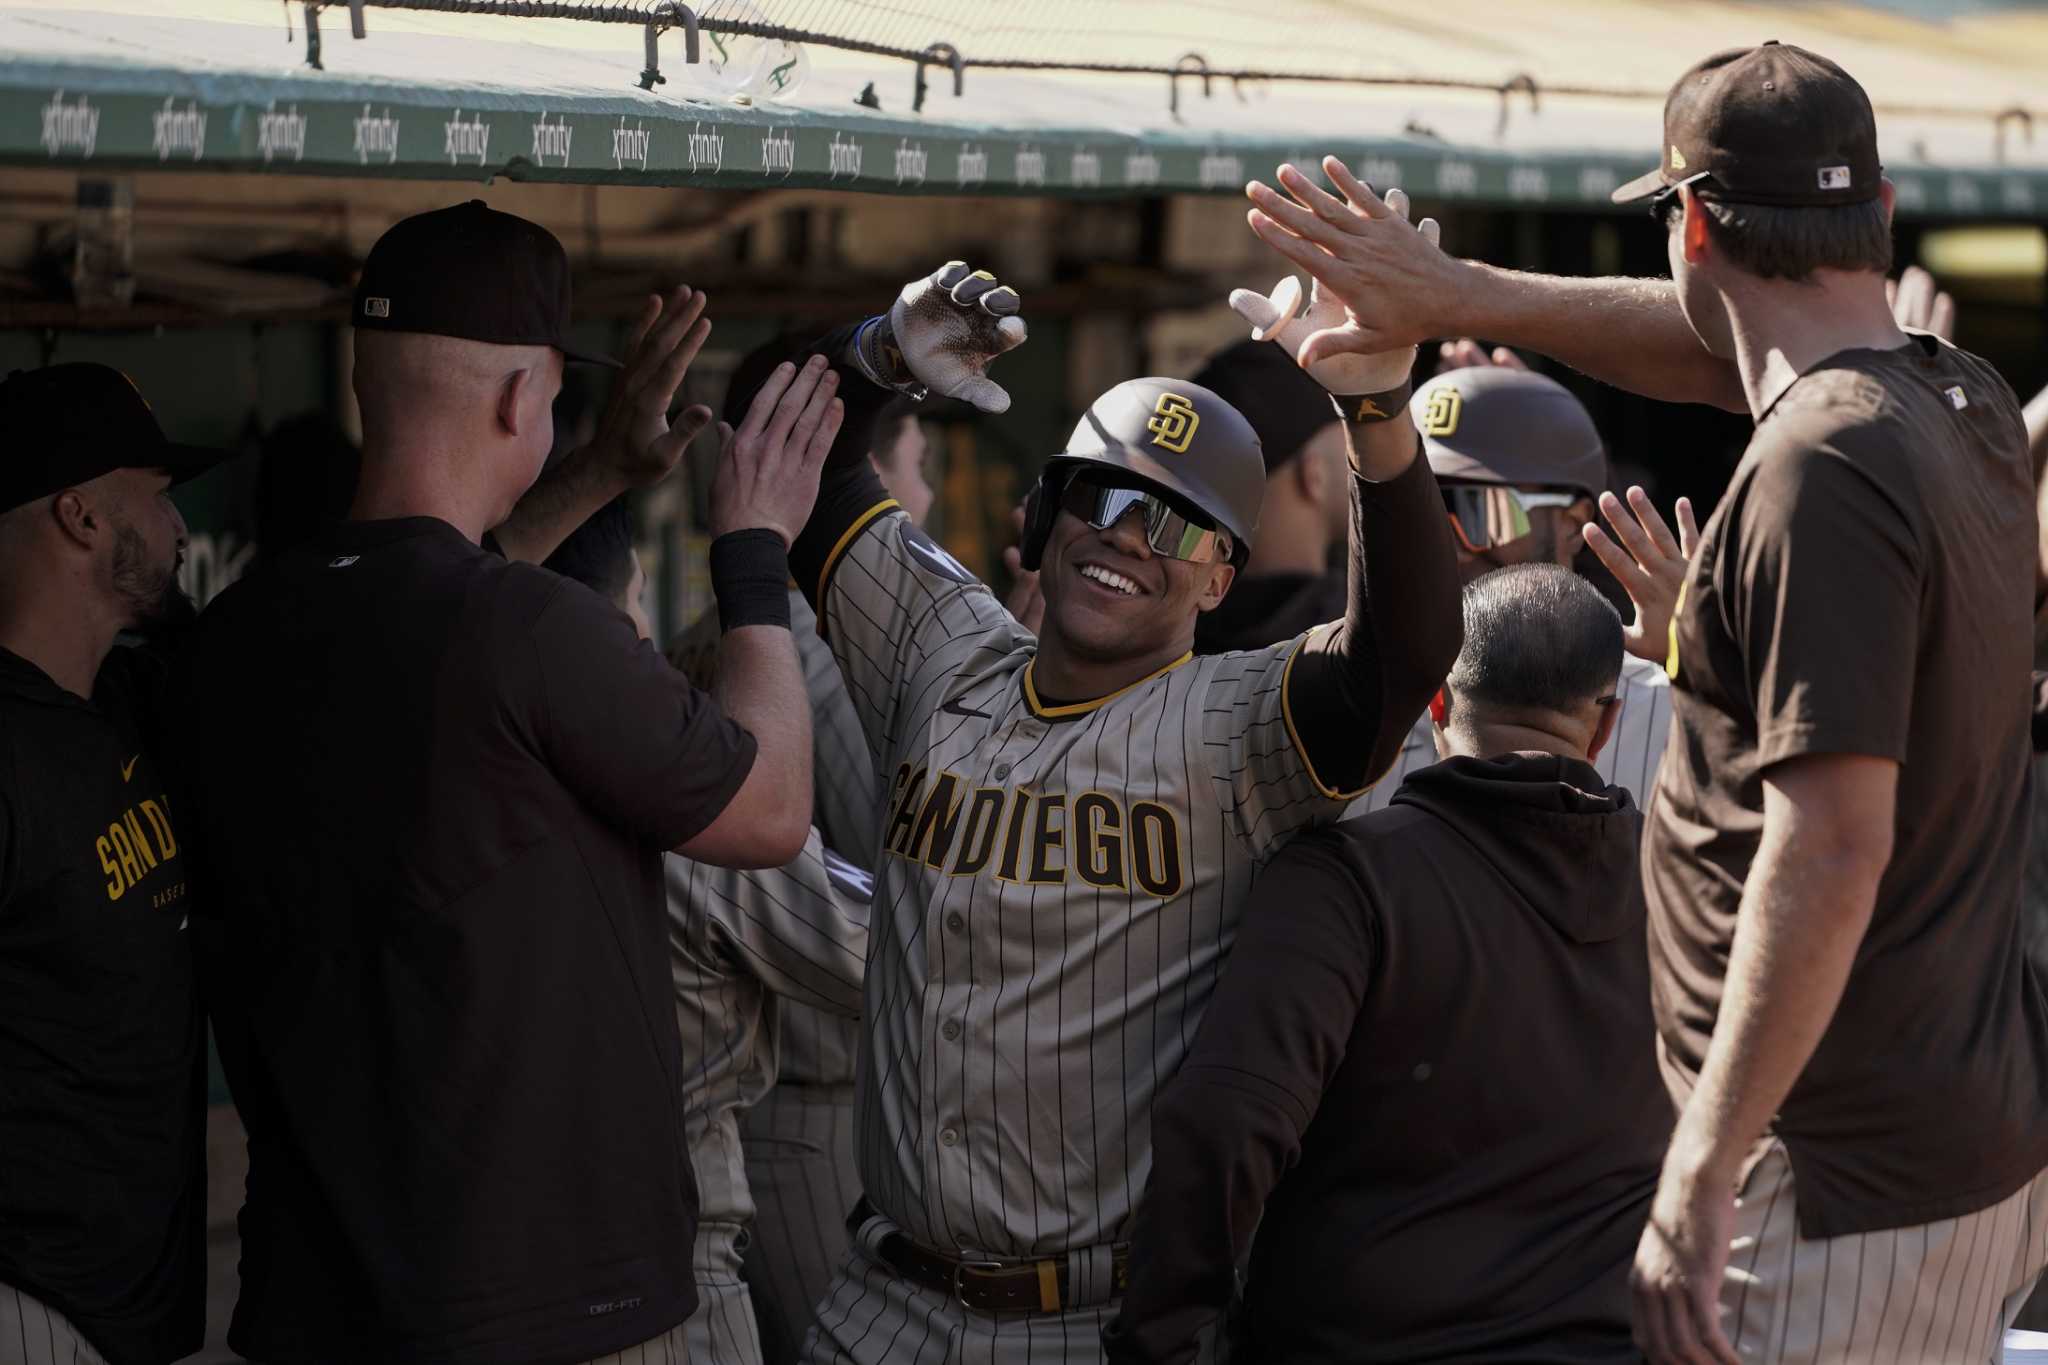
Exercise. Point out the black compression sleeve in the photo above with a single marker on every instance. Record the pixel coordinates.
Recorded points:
(1356, 690)
(849, 489)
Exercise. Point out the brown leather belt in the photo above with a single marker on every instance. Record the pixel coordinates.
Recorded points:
(998, 1286)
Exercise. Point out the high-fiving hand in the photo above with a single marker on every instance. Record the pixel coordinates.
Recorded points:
(635, 435)
(1648, 563)
(1363, 253)
(1326, 337)
(941, 334)
(768, 470)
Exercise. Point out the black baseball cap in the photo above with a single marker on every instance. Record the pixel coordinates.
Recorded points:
(1497, 425)
(64, 425)
(470, 271)
(1773, 125)
(1284, 405)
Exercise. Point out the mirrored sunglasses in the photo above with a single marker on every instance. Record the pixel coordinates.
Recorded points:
(1485, 516)
(1168, 531)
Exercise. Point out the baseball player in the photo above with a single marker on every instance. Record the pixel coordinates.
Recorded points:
(1857, 1045)
(1521, 467)
(1071, 820)
(798, 1137)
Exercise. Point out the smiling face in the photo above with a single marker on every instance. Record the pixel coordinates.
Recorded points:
(1110, 597)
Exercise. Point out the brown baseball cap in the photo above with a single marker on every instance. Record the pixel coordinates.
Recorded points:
(1774, 125)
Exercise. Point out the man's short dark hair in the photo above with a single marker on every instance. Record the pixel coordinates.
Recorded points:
(599, 553)
(1537, 638)
(1775, 243)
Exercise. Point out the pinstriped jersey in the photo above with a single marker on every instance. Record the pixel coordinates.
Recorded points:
(1630, 759)
(1056, 889)
(819, 1048)
(798, 932)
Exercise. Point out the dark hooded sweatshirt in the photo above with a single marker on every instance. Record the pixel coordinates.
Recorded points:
(1436, 1026)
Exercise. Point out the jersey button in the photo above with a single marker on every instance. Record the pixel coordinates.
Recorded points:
(949, 1137)
(956, 921)
(951, 1030)
(1000, 771)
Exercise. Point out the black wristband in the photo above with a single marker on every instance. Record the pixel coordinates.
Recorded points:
(1363, 409)
(750, 578)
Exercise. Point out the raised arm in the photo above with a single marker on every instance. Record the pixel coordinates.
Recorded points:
(1400, 290)
(761, 495)
(1356, 687)
(636, 443)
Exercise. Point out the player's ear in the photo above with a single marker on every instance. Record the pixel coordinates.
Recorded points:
(516, 394)
(1221, 576)
(1890, 196)
(77, 517)
(1694, 229)
(1610, 713)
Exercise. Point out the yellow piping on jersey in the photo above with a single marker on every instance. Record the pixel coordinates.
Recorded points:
(860, 523)
(1083, 707)
(1294, 736)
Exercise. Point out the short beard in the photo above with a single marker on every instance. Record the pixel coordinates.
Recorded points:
(152, 596)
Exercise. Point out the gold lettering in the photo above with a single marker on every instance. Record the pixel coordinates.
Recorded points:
(131, 869)
(139, 839)
(1099, 841)
(1049, 836)
(115, 885)
(160, 825)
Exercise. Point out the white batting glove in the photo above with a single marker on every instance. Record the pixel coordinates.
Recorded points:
(940, 335)
(1280, 318)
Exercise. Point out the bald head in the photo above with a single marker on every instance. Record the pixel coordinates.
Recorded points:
(1542, 657)
(452, 428)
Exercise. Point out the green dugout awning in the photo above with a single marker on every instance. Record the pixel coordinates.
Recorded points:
(219, 84)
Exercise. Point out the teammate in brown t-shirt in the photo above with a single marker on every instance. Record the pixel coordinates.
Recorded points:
(1863, 1067)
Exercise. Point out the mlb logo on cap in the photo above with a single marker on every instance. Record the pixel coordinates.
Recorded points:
(1835, 177)
(376, 308)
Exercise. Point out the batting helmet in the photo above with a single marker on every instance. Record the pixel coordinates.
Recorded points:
(1174, 437)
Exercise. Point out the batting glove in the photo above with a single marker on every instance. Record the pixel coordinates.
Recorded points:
(1279, 317)
(940, 335)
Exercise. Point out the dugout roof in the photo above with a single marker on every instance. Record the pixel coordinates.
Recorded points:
(1475, 100)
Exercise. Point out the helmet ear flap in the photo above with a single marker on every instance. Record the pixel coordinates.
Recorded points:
(1041, 507)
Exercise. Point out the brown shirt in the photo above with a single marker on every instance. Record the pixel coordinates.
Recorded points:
(1866, 588)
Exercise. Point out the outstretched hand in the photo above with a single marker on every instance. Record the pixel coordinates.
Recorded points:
(1326, 337)
(942, 333)
(1648, 563)
(767, 473)
(1387, 275)
(636, 438)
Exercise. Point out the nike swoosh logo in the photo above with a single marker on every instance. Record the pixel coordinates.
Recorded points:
(959, 708)
(128, 768)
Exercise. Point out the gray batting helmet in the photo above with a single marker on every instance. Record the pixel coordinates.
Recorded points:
(1174, 436)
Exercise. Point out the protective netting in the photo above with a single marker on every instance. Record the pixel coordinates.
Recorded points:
(1316, 40)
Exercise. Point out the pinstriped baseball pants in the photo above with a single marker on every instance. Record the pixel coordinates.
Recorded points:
(722, 1330)
(1935, 1292)
(670, 1348)
(802, 1174)
(31, 1333)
